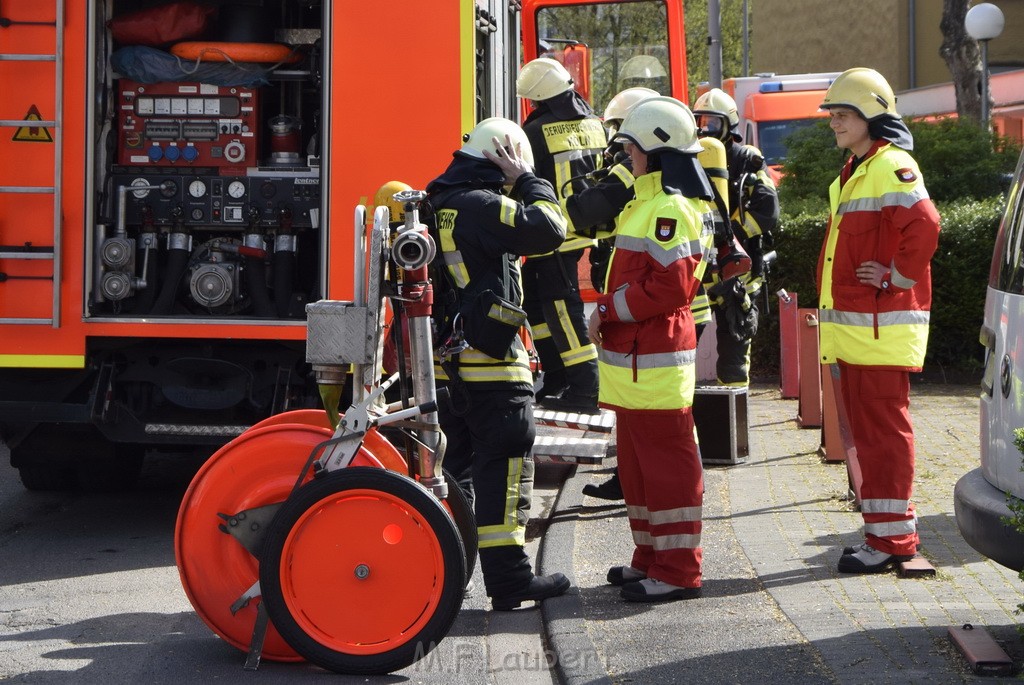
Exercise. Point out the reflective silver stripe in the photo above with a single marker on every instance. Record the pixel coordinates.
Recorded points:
(621, 307)
(679, 515)
(906, 317)
(889, 529)
(508, 211)
(656, 360)
(631, 243)
(661, 254)
(681, 541)
(885, 506)
(635, 511)
(666, 256)
(457, 268)
(642, 537)
(875, 204)
(899, 280)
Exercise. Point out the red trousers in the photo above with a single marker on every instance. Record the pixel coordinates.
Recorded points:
(663, 484)
(878, 405)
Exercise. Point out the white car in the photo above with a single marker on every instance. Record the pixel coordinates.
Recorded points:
(981, 496)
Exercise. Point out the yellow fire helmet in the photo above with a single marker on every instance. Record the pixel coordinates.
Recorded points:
(659, 124)
(479, 139)
(864, 90)
(385, 197)
(619, 106)
(717, 102)
(542, 79)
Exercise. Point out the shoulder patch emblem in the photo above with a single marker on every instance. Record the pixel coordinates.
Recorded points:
(665, 229)
(906, 175)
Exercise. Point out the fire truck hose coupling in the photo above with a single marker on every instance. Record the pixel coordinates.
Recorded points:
(330, 374)
(413, 250)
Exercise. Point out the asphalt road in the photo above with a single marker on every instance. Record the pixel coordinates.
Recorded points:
(89, 593)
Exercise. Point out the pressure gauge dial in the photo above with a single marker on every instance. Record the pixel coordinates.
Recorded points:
(197, 188)
(236, 189)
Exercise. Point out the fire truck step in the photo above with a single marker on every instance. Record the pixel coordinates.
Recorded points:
(599, 423)
(562, 449)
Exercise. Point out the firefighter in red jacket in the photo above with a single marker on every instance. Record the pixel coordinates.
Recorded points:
(645, 332)
(874, 284)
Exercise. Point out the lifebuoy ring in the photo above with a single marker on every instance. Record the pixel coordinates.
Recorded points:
(236, 52)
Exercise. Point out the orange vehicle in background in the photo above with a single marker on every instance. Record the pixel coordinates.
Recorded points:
(163, 223)
(772, 107)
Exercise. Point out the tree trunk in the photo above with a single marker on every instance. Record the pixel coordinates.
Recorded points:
(963, 57)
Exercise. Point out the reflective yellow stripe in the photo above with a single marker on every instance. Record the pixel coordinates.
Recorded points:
(553, 212)
(509, 532)
(467, 63)
(42, 361)
(540, 331)
(508, 211)
(452, 256)
(566, 324)
(578, 355)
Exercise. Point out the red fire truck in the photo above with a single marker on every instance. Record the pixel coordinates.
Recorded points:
(177, 182)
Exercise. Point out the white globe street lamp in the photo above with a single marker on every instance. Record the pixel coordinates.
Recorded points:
(983, 23)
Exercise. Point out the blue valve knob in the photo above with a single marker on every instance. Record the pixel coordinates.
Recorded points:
(190, 153)
(172, 153)
(155, 153)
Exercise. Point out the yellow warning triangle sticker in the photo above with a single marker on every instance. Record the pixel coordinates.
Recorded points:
(32, 134)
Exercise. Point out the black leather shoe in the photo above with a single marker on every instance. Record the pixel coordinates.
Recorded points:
(538, 589)
(611, 489)
(620, 575)
(570, 401)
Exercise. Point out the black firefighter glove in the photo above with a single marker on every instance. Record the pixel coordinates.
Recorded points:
(599, 256)
(740, 313)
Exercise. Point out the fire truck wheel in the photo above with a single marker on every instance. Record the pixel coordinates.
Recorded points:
(112, 474)
(47, 477)
(362, 571)
(462, 513)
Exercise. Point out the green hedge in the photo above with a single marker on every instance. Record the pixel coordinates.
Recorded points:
(959, 277)
(957, 160)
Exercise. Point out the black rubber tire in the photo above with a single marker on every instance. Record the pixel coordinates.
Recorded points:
(112, 474)
(444, 531)
(465, 521)
(47, 478)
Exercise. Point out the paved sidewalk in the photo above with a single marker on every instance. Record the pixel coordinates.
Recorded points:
(774, 609)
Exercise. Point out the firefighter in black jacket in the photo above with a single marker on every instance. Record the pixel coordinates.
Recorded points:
(568, 141)
(482, 231)
(754, 204)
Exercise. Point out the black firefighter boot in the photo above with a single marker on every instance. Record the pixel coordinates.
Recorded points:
(610, 490)
(510, 580)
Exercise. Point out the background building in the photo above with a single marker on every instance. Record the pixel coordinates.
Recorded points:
(899, 38)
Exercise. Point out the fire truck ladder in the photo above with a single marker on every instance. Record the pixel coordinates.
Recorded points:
(29, 251)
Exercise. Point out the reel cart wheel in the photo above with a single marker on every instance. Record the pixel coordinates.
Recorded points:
(362, 571)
